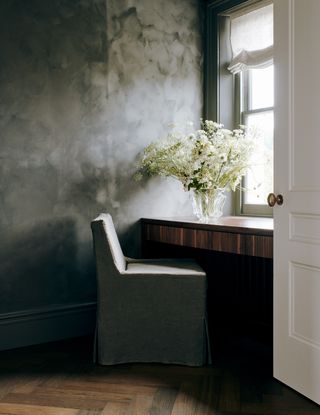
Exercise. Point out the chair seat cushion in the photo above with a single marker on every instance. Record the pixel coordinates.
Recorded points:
(170, 266)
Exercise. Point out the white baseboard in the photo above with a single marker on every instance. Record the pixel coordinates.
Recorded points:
(25, 328)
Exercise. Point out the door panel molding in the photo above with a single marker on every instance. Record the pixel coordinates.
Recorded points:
(291, 131)
(304, 228)
(304, 283)
(299, 175)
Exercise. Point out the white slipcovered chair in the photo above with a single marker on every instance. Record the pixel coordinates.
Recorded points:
(147, 310)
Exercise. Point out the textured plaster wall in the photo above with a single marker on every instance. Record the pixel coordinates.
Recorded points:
(84, 86)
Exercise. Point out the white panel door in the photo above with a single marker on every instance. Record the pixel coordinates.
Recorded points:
(297, 178)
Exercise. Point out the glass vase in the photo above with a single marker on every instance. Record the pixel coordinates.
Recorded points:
(208, 204)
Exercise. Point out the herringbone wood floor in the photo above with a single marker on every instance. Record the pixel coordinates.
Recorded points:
(60, 379)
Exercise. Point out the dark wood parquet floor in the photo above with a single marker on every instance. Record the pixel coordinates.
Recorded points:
(60, 379)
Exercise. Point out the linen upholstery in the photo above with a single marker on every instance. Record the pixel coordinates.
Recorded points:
(113, 243)
(147, 310)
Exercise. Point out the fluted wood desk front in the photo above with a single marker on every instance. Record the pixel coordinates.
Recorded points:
(232, 234)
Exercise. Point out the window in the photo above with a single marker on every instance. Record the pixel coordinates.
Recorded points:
(240, 53)
(257, 114)
(252, 62)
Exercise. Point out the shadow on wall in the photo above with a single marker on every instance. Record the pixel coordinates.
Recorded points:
(114, 190)
(132, 240)
(44, 270)
(105, 191)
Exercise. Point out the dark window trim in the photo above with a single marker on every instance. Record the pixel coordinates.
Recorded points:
(214, 107)
(212, 62)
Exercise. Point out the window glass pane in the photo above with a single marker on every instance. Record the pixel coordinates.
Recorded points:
(261, 88)
(259, 179)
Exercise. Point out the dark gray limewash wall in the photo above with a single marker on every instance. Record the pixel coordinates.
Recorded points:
(84, 86)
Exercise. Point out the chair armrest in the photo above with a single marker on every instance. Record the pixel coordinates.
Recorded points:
(142, 276)
(164, 267)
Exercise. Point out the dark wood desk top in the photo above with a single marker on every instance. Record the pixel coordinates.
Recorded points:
(234, 234)
(232, 224)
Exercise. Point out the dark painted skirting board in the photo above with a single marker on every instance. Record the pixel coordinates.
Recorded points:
(28, 327)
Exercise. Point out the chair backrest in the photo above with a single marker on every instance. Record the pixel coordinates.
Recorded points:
(106, 244)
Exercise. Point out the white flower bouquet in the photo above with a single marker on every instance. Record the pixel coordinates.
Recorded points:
(206, 160)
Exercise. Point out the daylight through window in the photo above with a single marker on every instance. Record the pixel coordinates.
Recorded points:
(252, 63)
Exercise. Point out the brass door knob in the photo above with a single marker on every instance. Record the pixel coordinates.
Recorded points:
(273, 199)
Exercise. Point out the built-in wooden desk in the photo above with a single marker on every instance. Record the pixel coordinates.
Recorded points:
(236, 253)
(232, 234)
